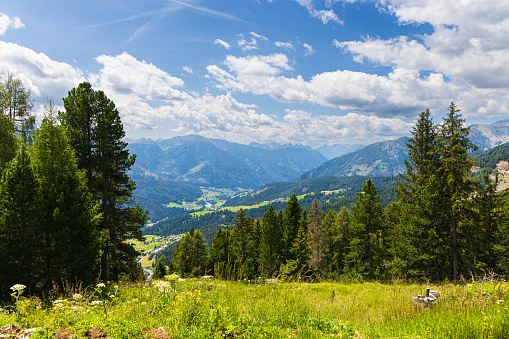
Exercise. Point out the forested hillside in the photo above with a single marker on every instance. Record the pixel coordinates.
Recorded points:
(386, 158)
(441, 226)
(218, 163)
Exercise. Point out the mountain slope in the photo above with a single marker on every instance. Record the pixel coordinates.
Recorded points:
(218, 163)
(380, 159)
(487, 136)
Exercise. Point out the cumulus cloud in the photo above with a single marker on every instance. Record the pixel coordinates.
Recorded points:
(187, 69)
(7, 22)
(222, 43)
(44, 77)
(400, 93)
(469, 46)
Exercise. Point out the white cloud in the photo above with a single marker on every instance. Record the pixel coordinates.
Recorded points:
(469, 46)
(187, 69)
(325, 15)
(250, 44)
(44, 77)
(222, 43)
(400, 93)
(7, 22)
(288, 45)
(309, 49)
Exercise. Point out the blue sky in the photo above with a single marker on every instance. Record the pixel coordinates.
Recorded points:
(290, 71)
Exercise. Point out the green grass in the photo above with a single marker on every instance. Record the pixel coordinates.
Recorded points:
(214, 308)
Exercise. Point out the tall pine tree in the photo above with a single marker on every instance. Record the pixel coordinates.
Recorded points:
(96, 133)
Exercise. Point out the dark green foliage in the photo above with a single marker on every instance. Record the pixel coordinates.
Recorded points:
(190, 256)
(67, 215)
(221, 252)
(367, 254)
(245, 239)
(8, 142)
(20, 249)
(96, 134)
(490, 158)
(271, 242)
(160, 268)
(291, 224)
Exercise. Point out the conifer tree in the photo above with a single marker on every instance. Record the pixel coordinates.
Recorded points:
(190, 256)
(96, 133)
(160, 269)
(8, 142)
(67, 214)
(316, 238)
(17, 106)
(291, 224)
(368, 245)
(19, 225)
(221, 252)
(271, 243)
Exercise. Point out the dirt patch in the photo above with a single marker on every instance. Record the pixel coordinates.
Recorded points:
(64, 334)
(96, 332)
(155, 334)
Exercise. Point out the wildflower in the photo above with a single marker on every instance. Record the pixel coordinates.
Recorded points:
(18, 288)
(77, 297)
(96, 303)
(101, 285)
(163, 286)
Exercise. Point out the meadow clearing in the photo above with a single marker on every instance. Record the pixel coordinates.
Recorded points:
(210, 308)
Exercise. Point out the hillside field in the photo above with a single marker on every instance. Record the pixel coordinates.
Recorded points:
(210, 308)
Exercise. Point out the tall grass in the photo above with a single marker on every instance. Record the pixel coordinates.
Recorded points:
(212, 308)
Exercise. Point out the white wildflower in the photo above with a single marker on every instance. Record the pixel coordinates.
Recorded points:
(101, 285)
(77, 297)
(96, 303)
(163, 286)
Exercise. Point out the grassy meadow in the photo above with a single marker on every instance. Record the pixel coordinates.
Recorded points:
(209, 308)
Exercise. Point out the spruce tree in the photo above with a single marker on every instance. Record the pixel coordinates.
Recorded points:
(20, 248)
(160, 269)
(221, 253)
(316, 238)
(96, 133)
(67, 214)
(368, 245)
(190, 257)
(271, 243)
(291, 224)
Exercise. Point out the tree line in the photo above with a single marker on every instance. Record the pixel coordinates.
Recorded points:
(444, 225)
(66, 203)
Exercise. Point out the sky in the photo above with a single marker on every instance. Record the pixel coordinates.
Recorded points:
(290, 71)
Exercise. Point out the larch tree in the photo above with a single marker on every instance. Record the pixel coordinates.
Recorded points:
(96, 132)
(190, 256)
(17, 106)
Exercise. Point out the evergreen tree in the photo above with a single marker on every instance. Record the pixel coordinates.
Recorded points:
(96, 133)
(271, 242)
(160, 269)
(455, 146)
(316, 239)
(190, 256)
(8, 142)
(368, 245)
(336, 228)
(67, 215)
(221, 255)
(19, 225)
(291, 224)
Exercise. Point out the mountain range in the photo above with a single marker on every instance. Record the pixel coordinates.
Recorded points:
(219, 163)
